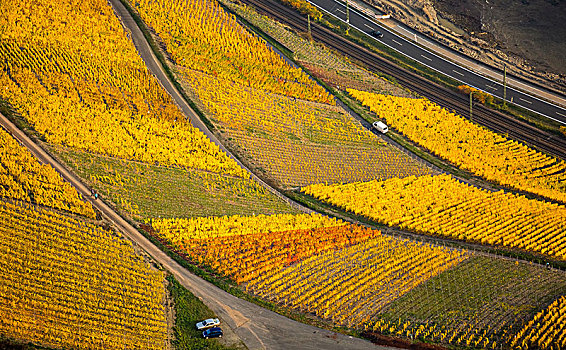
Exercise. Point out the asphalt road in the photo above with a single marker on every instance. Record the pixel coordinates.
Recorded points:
(365, 24)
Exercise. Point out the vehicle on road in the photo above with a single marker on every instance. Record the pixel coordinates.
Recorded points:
(381, 127)
(209, 323)
(214, 332)
(376, 34)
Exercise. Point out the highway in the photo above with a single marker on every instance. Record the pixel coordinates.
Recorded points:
(365, 24)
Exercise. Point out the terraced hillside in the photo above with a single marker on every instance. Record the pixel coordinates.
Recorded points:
(271, 113)
(66, 282)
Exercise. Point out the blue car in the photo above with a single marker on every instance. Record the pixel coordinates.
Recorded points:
(214, 332)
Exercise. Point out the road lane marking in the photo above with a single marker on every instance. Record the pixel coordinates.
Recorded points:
(560, 114)
(522, 99)
(395, 41)
(491, 87)
(368, 26)
(340, 10)
(428, 58)
(462, 74)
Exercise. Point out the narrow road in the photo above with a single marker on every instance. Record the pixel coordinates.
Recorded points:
(156, 68)
(258, 328)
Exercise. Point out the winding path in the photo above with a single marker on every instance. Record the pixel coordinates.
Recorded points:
(256, 327)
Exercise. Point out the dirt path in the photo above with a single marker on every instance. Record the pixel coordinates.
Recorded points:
(258, 328)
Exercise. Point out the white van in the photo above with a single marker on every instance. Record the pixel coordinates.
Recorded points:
(381, 127)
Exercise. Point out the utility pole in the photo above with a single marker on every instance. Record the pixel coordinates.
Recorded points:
(310, 33)
(347, 16)
(471, 93)
(504, 85)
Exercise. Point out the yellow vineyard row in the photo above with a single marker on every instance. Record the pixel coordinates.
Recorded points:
(441, 205)
(470, 146)
(68, 284)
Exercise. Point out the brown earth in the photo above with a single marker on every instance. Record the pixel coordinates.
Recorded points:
(384, 340)
(527, 35)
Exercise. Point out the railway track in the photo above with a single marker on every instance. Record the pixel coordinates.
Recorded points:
(491, 119)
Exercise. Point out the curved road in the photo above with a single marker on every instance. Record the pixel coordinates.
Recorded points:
(365, 24)
(256, 327)
(156, 68)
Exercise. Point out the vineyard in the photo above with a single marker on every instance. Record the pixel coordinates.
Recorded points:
(144, 191)
(351, 285)
(68, 284)
(440, 205)
(545, 330)
(321, 62)
(470, 146)
(300, 165)
(484, 302)
(83, 85)
(23, 178)
(70, 71)
(309, 262)
(200, 35)
(278, 131)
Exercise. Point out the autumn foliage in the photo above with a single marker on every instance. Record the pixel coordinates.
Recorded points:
(73, 74)
(441, 205)
(65, 283)
(470, 146)
(23, 178)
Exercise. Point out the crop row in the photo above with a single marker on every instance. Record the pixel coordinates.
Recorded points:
(297, 142)
(178, 230)
(242, 108)
(98, 96)
(246, 257)
(340, 271)
(547, 330)
(350, 286)
(484, 302)
(470, 146)
(22, 177)
(299, 165)
(202, 36)
(441, 205)
(66, 283)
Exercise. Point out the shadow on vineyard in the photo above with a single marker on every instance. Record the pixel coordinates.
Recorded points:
(145, 191)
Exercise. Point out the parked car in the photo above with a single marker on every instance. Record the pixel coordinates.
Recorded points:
(376, 34)
(214, 332)
(211, 322)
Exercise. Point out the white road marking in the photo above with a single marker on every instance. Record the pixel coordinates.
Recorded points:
(462, 74)
(423, 56)
(395, 41)
(340, 10)
(368, 26)
(491, 87)
(560, 114)
(522, 99)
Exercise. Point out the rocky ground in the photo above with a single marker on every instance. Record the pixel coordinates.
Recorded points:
(527, 35)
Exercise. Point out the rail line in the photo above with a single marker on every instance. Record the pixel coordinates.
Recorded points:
(444, 97)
